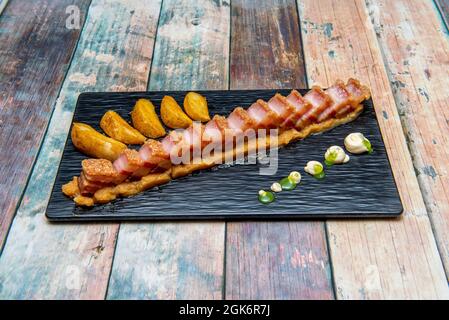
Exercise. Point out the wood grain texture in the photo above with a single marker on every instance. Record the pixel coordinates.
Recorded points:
(179, 260)
(443, 7)
(277, 260)
(388, 259)
(282, 260)
(3, 5)
(32, 68)
(418, 71)
(266, 49)
(69, 261)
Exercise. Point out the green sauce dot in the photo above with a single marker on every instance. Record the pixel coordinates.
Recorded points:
(320, 175)
(368, 145)
(331, 157)
(267, 197)
(287, 184)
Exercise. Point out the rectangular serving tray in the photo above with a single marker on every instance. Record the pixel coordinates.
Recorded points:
(364, 187)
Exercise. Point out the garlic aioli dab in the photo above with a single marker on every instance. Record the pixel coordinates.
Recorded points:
(295, 176)
(276, 187)
(357, 143)
(315, 168)
(335, 155)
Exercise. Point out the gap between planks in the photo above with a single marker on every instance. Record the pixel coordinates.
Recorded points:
(29, 86)
(371, 258)
(67, 261)
(443, 10)
(178, 260)
(417, 72)
(282, 259)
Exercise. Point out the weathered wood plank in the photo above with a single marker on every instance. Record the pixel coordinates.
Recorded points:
(42, 260)
(179, 260)
(387, 259)
(32, 68)
(443, 6)
(416, 52)
(278, 260)
(3, 5)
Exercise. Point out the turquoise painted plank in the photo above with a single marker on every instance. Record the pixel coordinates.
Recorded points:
(179, 260)
(68, 261)
(32, 69)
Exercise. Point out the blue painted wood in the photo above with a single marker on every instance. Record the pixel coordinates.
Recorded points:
(32, 69)
(41, 260)
(179, 260)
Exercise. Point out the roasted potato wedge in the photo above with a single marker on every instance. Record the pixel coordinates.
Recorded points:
(146, 120)
(94, 144)
(196, 108)
(172, 114)
(116, 127)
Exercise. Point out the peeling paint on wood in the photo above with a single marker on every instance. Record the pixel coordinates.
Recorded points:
(32, 68)
(424, 100)
(388, 259)
(179, 260)
(168, 261)
(371, 259)
(278, 260)
(69, 261)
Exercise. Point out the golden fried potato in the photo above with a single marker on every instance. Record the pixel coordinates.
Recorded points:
(89, 141)
(116, 127)
(195, 106)
(145, 119)
(172, 114)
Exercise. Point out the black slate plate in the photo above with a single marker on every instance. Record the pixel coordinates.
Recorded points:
(362, 188)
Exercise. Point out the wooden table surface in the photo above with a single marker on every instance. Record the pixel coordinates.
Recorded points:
(399, 48)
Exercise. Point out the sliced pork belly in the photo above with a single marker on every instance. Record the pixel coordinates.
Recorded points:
(171, 144)
(358, 91)
(102, 171)
(88, 187)
(239, 121)
(141, 172)
(215, 130)
(192, 136)
(344, 111)
(154, 155)
(128, 162)
(263, 116)
(300, 105)
(283, 109)
(320, 101)
(341, 98)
